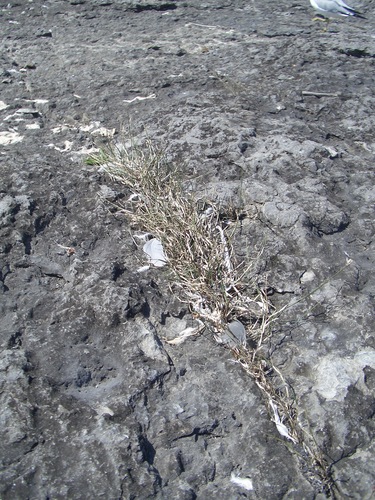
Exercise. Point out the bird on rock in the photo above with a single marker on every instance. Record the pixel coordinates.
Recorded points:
(334, 8)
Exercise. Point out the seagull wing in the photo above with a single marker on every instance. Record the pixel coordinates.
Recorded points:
(334, 7)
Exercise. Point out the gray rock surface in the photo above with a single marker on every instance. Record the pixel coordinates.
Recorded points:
(262, 109)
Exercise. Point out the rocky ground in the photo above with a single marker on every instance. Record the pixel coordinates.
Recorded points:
(261, 108)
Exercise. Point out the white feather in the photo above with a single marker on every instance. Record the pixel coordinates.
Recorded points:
(155, 252)
(282, 428)
(243, 482)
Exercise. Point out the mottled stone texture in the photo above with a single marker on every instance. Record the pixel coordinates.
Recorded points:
(94, 402)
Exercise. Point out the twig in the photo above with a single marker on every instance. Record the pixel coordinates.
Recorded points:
(320, 94)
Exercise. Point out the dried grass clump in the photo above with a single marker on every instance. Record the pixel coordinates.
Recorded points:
(195, 238)
(197, 241)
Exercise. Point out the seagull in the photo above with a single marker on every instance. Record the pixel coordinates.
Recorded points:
(334, 8)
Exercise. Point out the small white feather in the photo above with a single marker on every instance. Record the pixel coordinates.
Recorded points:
(155, 252)
(243, 482)
(143, 269)
(282, 428)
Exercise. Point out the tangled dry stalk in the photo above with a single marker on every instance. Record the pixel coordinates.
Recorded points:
(197, 240)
